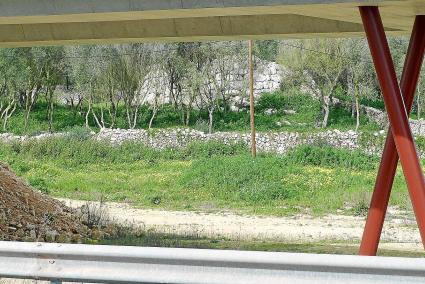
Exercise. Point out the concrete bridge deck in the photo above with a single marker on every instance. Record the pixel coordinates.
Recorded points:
(46, 22)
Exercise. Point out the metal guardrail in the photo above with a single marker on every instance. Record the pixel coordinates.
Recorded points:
(116, 264)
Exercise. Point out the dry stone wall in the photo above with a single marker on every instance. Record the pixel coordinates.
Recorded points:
(177, 138)
(271, 142)
(275, 142)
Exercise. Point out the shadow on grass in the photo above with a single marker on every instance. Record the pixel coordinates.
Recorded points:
(175, 241)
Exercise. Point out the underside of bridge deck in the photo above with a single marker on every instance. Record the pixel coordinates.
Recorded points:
(46, 22)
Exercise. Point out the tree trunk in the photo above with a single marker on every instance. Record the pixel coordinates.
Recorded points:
(99, 124)
(351, 92)
(210, 123)
(7, 113)
(87, 115)
(50, 109)
(27, 110)
(326, 109)
(136, 114)
(29, 103)
(155, 110)
(357, 113)
(188, 111)
(152, 118)
(418, 103)
(328, 103)
(102, 117)
(27, 117)
(183, 114)
(113, 109)
(5, 118)
(128, 117)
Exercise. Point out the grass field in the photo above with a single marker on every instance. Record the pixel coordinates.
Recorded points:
(213, 176)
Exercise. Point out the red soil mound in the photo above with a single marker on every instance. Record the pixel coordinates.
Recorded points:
(27, 215)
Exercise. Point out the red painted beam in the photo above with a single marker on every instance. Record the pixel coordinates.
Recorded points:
(397, 114)
(388, 167)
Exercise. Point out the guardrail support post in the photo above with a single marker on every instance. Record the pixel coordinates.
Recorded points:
(402, 136)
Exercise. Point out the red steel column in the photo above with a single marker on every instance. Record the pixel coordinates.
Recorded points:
(387, 170)
(394, 104)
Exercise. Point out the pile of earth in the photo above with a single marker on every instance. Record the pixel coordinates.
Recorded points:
(28, 215)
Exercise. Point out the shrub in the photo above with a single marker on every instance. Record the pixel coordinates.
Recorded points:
(95, 214)
(331, 157)
(201, 125)
(78, 150)
(271, 100)
(239, 177)
(214, 148)
(79, 133)
(291, 99)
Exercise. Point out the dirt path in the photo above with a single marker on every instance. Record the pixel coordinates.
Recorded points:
(400, 231)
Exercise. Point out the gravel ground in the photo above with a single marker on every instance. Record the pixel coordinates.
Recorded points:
(400, 230)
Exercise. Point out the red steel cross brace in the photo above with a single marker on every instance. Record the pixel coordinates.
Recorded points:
(400, 141)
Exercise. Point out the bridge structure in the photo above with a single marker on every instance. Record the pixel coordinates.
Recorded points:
(57, 22)
(45, 22)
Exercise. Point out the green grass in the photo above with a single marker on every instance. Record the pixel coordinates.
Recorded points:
(224, 177)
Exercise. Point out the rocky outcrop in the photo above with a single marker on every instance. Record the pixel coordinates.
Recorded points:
(267, 78)
(380, 118)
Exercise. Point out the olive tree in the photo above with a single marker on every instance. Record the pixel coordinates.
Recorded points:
(320, 70)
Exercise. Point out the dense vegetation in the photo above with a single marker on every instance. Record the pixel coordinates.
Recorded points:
(210, 175)
(157, 85)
